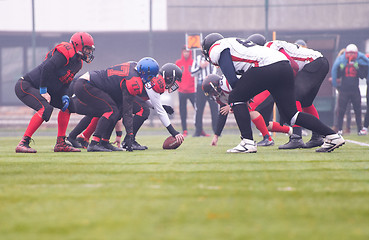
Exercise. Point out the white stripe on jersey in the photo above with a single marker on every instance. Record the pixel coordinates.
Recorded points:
(301, 55)
(244, 54)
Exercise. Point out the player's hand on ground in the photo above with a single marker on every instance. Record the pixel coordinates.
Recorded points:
(214, 142)
(179, 137)
(118, 141)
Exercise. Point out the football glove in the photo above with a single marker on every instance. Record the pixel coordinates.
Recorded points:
(168, 109)
(356, 65)
(65, 101)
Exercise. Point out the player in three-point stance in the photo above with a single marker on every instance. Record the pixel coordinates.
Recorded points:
(260, 68)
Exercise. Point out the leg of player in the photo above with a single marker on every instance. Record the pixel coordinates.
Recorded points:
(259, 122)
(61, 145)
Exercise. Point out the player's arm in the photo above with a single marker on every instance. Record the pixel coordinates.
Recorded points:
(335, 69)
(57, 61)
(227, 67)
(163, 116)
(222, 119)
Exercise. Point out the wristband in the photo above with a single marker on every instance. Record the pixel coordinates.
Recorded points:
(172, 131)
(119, 133)
(43, 90)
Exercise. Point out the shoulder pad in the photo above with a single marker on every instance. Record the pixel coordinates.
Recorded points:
(159, 84)
(134, 85)
(66, 49)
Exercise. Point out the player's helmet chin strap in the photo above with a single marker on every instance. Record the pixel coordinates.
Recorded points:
(294, 118)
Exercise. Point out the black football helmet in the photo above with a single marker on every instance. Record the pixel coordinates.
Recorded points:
(211, 85)
(171, 74)
(257, 38)
(208, 41)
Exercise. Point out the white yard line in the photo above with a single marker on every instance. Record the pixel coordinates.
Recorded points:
(358, 143)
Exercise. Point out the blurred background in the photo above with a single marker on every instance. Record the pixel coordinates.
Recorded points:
(127, 30)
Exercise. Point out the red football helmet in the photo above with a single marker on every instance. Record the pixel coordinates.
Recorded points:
(83, 44)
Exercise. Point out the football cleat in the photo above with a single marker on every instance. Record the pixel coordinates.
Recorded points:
(362, 132)
(74, 142)
(331, 142)
(185, 133)
(108, 145)
(97, 148)
(23, 146)
(62, 146)
(135, 146)
(315, 141)
(294, 142)
(266, 142)
(83, 142)
(245, 146)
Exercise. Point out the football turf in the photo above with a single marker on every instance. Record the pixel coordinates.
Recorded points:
(195, 192)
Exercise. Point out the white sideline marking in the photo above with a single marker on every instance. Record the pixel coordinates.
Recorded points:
(358, 143)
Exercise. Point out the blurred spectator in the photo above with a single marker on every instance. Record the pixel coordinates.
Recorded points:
(349, 66)
(348, 110)
(366, 121)
(186, 87)
(200, 69)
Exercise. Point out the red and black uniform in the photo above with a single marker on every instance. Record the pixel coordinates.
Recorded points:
(108, 94)
(55, 73)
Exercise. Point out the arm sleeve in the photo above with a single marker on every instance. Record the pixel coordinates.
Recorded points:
(222, 119)
(335, 68)
(156, 103)
(57, 61)
(226, 64)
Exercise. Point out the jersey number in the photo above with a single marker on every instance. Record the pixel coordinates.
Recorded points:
(245, 43)
(122, 72)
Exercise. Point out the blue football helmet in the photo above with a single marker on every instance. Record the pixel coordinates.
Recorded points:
(147, 68)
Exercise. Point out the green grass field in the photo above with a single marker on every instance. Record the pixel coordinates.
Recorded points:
(195, 192)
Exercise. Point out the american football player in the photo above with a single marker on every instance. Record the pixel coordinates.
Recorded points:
(219, 88)
(108, 94)
(168, 78)
(310, 69)
(260, 68)
(45, 88)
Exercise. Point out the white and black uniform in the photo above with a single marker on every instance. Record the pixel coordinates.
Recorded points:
(152, 98)
(261, 68)
(313, 68)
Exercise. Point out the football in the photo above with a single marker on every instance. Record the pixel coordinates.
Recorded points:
(171, 143)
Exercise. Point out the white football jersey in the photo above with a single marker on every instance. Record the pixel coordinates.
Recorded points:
(226, 90)
(244, 54)
(301, 55)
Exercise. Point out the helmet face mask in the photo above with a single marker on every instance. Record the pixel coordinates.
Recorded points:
(211, 86)
(147, 68)
(172, 74)
(83, 44)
